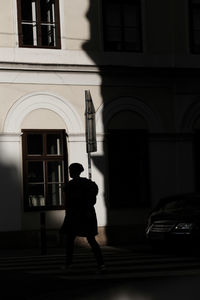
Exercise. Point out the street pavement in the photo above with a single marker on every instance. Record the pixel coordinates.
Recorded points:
(136, 273)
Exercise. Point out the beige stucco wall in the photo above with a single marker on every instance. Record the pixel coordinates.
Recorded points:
(8, 23)
(82, 31)
(43, 119)
(75, 26)
(10, 94)
(76, 29)
(165, 34)
(25, 75)
(157, 99)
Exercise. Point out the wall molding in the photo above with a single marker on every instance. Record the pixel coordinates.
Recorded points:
(42, 100)
(108, 109)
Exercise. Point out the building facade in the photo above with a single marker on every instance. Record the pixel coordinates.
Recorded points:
(140, 60)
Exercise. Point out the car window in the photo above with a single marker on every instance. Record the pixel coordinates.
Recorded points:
(174, 205)
(182, 204)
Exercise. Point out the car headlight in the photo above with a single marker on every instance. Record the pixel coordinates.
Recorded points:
(184, 226)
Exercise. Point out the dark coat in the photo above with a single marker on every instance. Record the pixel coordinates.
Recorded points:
(80, 218)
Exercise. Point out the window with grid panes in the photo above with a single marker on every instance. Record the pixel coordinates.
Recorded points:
(44, 169)
(39, 23)
(122, 25)
(194, 26)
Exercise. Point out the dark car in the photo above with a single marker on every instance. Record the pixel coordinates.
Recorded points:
(174, 220)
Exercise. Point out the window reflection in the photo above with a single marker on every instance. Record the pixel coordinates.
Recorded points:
(54, 146)
(55, 193)
(35, 171)
(55, 171)
(36, 195)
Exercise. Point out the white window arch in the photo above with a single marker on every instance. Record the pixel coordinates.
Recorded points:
(44, 100)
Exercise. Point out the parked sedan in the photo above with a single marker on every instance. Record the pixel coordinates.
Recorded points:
(175, 219)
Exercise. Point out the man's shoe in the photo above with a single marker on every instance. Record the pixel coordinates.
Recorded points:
(101, 269)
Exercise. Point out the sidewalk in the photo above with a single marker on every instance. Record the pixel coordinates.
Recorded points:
(138, 247)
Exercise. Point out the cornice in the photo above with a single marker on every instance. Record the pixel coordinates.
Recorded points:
(16, 66)
(117, 69)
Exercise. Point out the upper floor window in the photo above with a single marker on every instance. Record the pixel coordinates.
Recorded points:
(38, 23)
(122, 25)
(195, 26)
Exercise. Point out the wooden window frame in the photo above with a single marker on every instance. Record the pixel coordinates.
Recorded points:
(191, 6)
(45, 158)
(123, 27)
(39, 23)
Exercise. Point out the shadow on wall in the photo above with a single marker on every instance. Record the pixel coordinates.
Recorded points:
(116, 233)
(10, 203)
(91, 47)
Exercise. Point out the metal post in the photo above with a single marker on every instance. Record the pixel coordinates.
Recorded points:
(43, 237)
(89, 166)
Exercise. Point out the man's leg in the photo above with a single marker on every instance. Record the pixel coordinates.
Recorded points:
(96, 250)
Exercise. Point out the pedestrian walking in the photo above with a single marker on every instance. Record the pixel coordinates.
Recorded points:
(80, 219)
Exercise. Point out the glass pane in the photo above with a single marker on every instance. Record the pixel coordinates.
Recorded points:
(36, 195)
(128, 46)
(113, 16)
(35, 171)
(196, 18)
(131, 42)
(28, 10)
(47, 11)
(28, 31)
(130, 15)
(54, 144)
(48, 35)
(130, 35)
(113, 46)
(197, 37)
(55, 171)
(34, 144)
(55, 194)
(114, 34)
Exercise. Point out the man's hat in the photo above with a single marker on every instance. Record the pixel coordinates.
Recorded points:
(76, 167)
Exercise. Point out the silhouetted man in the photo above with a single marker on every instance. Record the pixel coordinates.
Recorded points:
(80, 219)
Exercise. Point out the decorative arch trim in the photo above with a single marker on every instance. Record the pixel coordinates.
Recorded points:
(42, 100)
(189, 117)
(107, 110)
